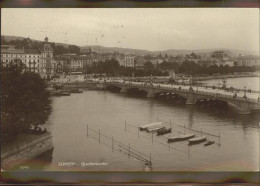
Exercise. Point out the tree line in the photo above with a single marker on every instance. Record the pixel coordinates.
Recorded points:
(112, 68)
(25, 100)
(192, 68)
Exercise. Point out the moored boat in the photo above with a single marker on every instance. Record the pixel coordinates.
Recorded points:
(181, 137)
(163, 131)
(197, 140)
(151, 125)
(76, 91)
(209, 143)
(64, 93)
(154, 129)
(60, 93)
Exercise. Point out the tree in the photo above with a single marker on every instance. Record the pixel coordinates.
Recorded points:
(25, 100)
(74, 49)
(3, 41)
(148, 66)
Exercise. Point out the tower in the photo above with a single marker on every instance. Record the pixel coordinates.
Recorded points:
(47, 56)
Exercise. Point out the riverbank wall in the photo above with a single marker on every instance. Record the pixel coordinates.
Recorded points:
(26, 150)
(83, 85)
(202, 78)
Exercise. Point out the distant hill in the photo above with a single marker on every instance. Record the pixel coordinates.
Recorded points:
(173, 52)
(102, 49)
(10, 38)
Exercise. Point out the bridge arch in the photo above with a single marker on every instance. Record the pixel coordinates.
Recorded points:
(241, 105)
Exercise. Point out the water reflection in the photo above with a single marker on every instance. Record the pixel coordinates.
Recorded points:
(191, 113)
(108, 111)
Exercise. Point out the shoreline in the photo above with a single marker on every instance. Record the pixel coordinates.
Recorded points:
(19, 152)
(227, 76)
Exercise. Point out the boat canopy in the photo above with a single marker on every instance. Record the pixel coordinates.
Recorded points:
(197, 139)
(182, 136)
(151, 125)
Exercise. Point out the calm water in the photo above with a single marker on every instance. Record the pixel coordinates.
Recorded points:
(236, 150)
(250, 82)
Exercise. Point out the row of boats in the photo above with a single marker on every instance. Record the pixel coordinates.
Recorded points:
(160, 129)
(62, 92)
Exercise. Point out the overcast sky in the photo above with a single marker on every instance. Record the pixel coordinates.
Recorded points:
(150, 29)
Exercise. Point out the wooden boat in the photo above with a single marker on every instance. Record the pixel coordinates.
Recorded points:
(181, 137)
(163, 131)
(197, 140)
(154, 129)
(151, 125)
(55, 93)
(209, 143)
(60, 93)
(64, 93)
(76, 91)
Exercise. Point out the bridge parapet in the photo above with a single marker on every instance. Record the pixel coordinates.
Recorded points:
(242, 105)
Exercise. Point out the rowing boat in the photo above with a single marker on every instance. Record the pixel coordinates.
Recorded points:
(151, 125)
(181, 137)
(197, 140)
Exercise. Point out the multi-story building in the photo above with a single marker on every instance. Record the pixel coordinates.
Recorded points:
(72, 63)
(139, 62)
(77, 63)
(156, 60)
(220, 55)
(177, 59)
(192, 57)
(120, 58)
(35, 59)
(248, 60)
(129, 61)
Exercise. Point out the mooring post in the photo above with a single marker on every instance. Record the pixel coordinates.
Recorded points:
(150, 157)
(129, 150)
(184, 128)
(99, 136)
(87, 129)
(112, 144)
(138, 131)
(219, 137)
(152, 137)
(200, 131)
(188, 152)
(125, 125)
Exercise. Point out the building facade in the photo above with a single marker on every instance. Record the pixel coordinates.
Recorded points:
(248, 60)
(35, 60)
(129, 61)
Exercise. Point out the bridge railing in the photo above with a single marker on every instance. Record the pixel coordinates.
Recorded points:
(161, 86)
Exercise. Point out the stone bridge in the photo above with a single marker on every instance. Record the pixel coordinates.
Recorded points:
(241, 105)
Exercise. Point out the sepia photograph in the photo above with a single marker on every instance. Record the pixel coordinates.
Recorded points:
(123, 89)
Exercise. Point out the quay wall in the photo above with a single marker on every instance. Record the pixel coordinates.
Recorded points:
(26, 151)
(83, 85)
(202, 78)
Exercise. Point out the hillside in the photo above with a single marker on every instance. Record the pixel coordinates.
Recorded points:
(173, 52)
(102, 49)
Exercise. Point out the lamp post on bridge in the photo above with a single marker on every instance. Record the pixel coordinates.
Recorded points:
(245, 92)
(190, 82)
